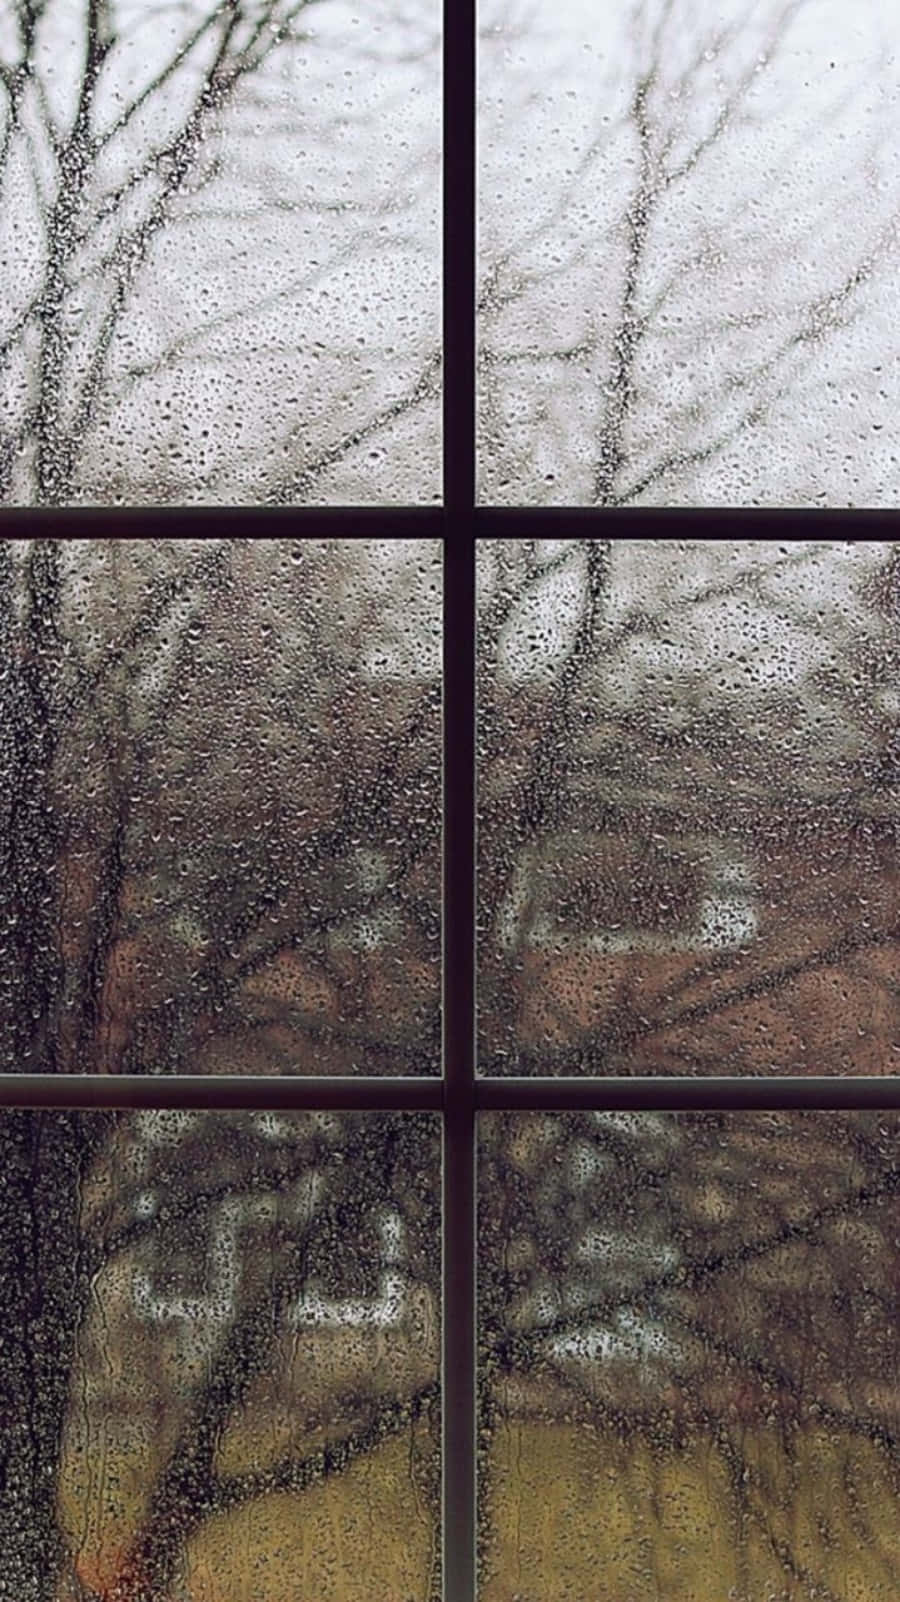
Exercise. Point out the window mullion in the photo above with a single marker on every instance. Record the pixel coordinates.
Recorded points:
(458, 1407)
(458, 1323)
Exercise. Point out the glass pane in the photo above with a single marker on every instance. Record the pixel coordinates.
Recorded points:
(687, 222)
(221, 806)
(220, 252)
(220, 1344)
(689, 1357)
(688, 792)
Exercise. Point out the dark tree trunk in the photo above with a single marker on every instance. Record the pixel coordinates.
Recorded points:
(42, 1291)
(43, 1154)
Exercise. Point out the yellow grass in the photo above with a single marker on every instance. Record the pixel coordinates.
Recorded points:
(575, 1515)
(578, 1516)
(363, 1535)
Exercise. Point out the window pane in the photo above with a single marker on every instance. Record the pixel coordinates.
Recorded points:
(690, 1356)
(688, 790)
(220, 1339)
(221, 798)
(686, 238)
(220, 249)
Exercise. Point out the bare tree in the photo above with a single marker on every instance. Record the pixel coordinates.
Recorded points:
(224, 1310)
(673, 308)
(695, 1313)
(687, 806)
(686, 865)
(229, 283)
(210, 205)
(194, 881)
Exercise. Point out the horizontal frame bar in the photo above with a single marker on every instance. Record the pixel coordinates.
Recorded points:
(276, 1092)
(685, 1093)
(423, 522)
(216, 522)
(380, 1093)
(623, 522)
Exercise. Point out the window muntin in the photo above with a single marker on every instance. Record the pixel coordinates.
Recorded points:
(458, 1094)
(197, 1284)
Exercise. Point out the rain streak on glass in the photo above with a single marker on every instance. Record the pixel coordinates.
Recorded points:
(219, 252)
(221, 1360)
(689, 1357)
(688, 775)
(221, 806)
(687, 226)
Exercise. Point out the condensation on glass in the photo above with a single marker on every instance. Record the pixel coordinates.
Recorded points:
(689, 1356)
(674, 306)
(221, 806)
(687, 806)
(220, 1349)
(220, 253)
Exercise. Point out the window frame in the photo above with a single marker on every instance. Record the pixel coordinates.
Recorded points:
(457, 1095)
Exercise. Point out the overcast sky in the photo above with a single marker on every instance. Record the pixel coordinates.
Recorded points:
(279, 335)
(765, 286)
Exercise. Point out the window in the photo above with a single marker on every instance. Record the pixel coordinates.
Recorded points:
(243, 1097)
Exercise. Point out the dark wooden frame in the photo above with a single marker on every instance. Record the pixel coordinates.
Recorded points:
(459, 1094)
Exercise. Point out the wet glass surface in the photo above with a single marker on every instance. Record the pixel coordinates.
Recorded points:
(686, 226)
(221, 1347)
(220, 806)
(219, 253)
(687, 806)
(689, 1356)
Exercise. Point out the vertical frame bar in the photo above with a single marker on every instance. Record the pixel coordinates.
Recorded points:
(458, 1323)
(458, 258)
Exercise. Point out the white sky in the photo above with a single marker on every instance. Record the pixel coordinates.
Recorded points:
(299, 294)
(800, 188)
